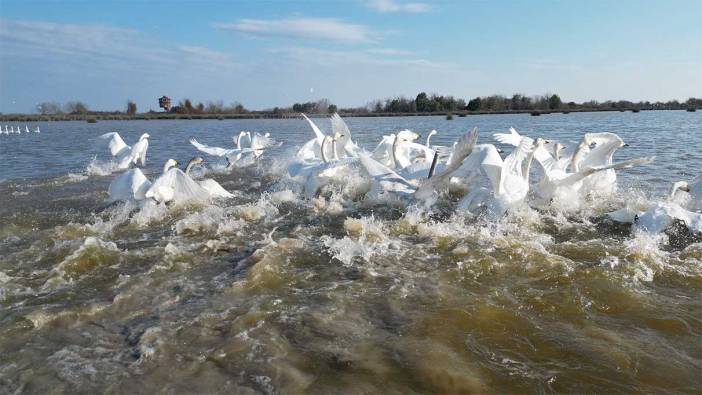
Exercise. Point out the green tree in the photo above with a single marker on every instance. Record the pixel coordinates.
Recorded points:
(332, 108)
(474, 104)
(554, 102)
(422, 102)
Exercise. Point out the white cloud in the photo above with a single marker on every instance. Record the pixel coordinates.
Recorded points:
(310, 28)
(390, 52)
(334, 58)
(395, 6)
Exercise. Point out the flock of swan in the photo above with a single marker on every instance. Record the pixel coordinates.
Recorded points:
(12, 130)
(402, 168)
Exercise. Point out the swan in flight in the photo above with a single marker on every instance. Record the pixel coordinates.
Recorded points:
(344, 146)
(132, 185)
(256, 147)
(557, 183)
(597, 150)
(176, 186)
(212, 187)
(385, 181)
(509, 178)
(125, 154)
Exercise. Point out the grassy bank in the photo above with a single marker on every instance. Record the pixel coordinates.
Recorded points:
(98, 116)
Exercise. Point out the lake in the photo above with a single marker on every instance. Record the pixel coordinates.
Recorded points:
(270, 292)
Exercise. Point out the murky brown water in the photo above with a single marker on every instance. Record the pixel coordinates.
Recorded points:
(272, 293)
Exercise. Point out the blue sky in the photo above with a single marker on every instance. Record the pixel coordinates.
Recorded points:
(275, 53)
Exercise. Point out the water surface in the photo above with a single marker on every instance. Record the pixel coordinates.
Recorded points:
(274, 293)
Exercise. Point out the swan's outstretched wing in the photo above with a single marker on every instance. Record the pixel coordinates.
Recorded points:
(116, 144)
(261, 142)
(215, 189)
(139, 151)
(546, 160)
(215, 151)
(130, 185)
(317, 132)
(513, 162)
(176, 186)
(575, 177)
(601, 154)
(512, 138)
(339, 126)
(462, 149)
(386, 178)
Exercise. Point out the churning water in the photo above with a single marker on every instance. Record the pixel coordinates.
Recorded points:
(273, 293)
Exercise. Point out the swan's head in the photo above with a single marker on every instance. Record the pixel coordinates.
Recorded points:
(433, 132)
(267, 135)
(169, 163)
(338, 136)
(680, 185)
(196, 161)
(144, 136)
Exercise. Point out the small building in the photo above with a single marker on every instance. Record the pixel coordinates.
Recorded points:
(165, 103)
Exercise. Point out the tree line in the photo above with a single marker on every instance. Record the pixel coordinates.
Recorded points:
(422, 103)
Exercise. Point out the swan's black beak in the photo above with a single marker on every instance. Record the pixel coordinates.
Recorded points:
(500, 151)
(625, 145)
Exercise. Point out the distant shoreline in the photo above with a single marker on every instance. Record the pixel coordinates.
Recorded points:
(106, 116)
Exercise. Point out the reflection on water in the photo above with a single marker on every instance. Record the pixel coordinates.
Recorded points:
(273, 293)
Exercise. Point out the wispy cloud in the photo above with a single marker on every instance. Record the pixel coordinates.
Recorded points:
(396, 6)
(324, 57)
(390, 52)
(330, 29)
(100, 45)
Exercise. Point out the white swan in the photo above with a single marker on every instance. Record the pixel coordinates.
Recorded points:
(386, 181)
(132, 184)
(256, 147)
(26, 129)
(688, 195)
(213, 188)
(344, 146)
(175, 186)
(125, 154)
(509, 178)
(37, 130)
(597, 150)
(315, 174)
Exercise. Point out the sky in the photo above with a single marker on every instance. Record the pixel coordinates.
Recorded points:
(275, 53)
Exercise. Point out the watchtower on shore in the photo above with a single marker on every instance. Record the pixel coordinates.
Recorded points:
(165, 103)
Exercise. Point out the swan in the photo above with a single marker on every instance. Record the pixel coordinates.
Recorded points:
(597, 150)
(175, 186)
(344, 146)
(37, 130)
(557, 183)
(212, 187)
(385, 181)
(132, 184)
(688, 195)
(509, 178)
(315, 174)
(256, 147)
(26, 129)
(397, 151)
(125, 154)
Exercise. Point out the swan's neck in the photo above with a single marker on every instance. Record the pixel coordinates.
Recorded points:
(429, 138)
(394, 151)
(322, 151)
(167, 167)
(527, 166)
(575, 161)
(432, 169)
(188, 167)
(336, 156)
